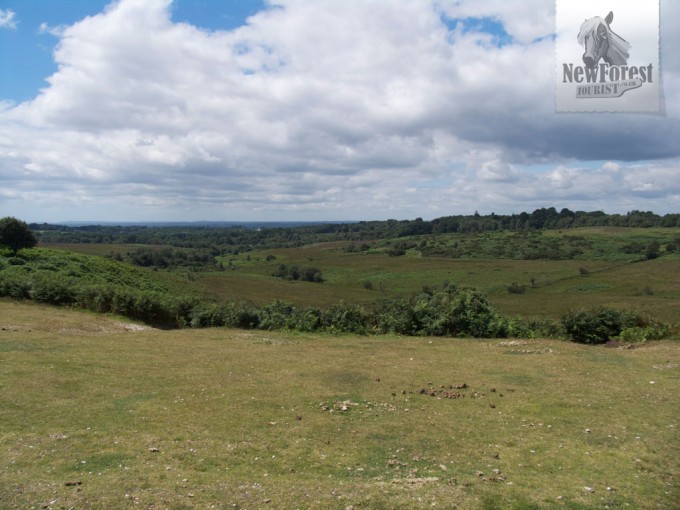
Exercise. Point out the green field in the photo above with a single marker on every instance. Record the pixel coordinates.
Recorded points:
(611, 271)
(98, 413)
(553, 286)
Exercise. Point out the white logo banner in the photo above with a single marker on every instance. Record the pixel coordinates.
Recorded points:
(607, 56)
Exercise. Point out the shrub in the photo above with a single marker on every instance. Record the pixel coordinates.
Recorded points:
(308, 319)
(535, 327)
(277, 315)
(122, 303)
(311, 274)
(395, 316)
(464, 312)
(207, 316)
(16, 286)
(652, 250)
(97, 299)
(645, 328)
(641, 334)
(596, 326)
(476, 317)
(307, 274)
(156, 308)
(240, 315)
(345, 318)
(517, 288)
(53, 289)
(634, 335)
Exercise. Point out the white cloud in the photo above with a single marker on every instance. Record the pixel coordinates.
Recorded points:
(56, 31)
(323, 109)
(7, 18)
(531, 20)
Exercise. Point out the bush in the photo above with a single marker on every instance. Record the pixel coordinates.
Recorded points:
(207, 316)
(517, 288)
(597, 326)
(97, 299)
(645, 328)
(642, 334)
(345, 318)
(16, 286)
(535, 327)
(396, 252)
(307, 320)
(50, 288)
(633, 335)
(307, 274)
(240, 315)
(453, 312)
(277, 315)
(445, 311)
(396, 316)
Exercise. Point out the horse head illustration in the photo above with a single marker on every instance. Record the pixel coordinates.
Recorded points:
(600, 42)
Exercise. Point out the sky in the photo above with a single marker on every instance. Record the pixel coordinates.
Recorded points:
(301, 110)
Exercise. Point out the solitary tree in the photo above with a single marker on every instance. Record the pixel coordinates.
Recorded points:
(15, 235)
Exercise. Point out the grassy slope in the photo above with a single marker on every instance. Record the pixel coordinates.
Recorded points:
(234, 419)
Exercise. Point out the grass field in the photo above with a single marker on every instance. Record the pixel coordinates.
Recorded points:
(553, 287)
(100, 414)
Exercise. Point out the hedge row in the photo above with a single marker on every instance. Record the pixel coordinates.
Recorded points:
(447, 311)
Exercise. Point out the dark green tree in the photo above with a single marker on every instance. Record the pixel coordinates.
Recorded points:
(15, 235)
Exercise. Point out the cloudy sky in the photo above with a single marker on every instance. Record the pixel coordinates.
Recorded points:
(154, 110)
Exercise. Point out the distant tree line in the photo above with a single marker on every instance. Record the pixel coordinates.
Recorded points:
(237, 239)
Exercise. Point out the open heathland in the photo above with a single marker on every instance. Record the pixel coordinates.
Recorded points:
(100, 413)
(532, 273)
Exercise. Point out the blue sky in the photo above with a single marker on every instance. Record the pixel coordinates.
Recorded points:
(26, 51)
(161, 110)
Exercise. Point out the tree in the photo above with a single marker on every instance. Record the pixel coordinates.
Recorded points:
(15, 235)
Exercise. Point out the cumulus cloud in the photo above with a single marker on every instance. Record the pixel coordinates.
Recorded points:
(324, 109)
